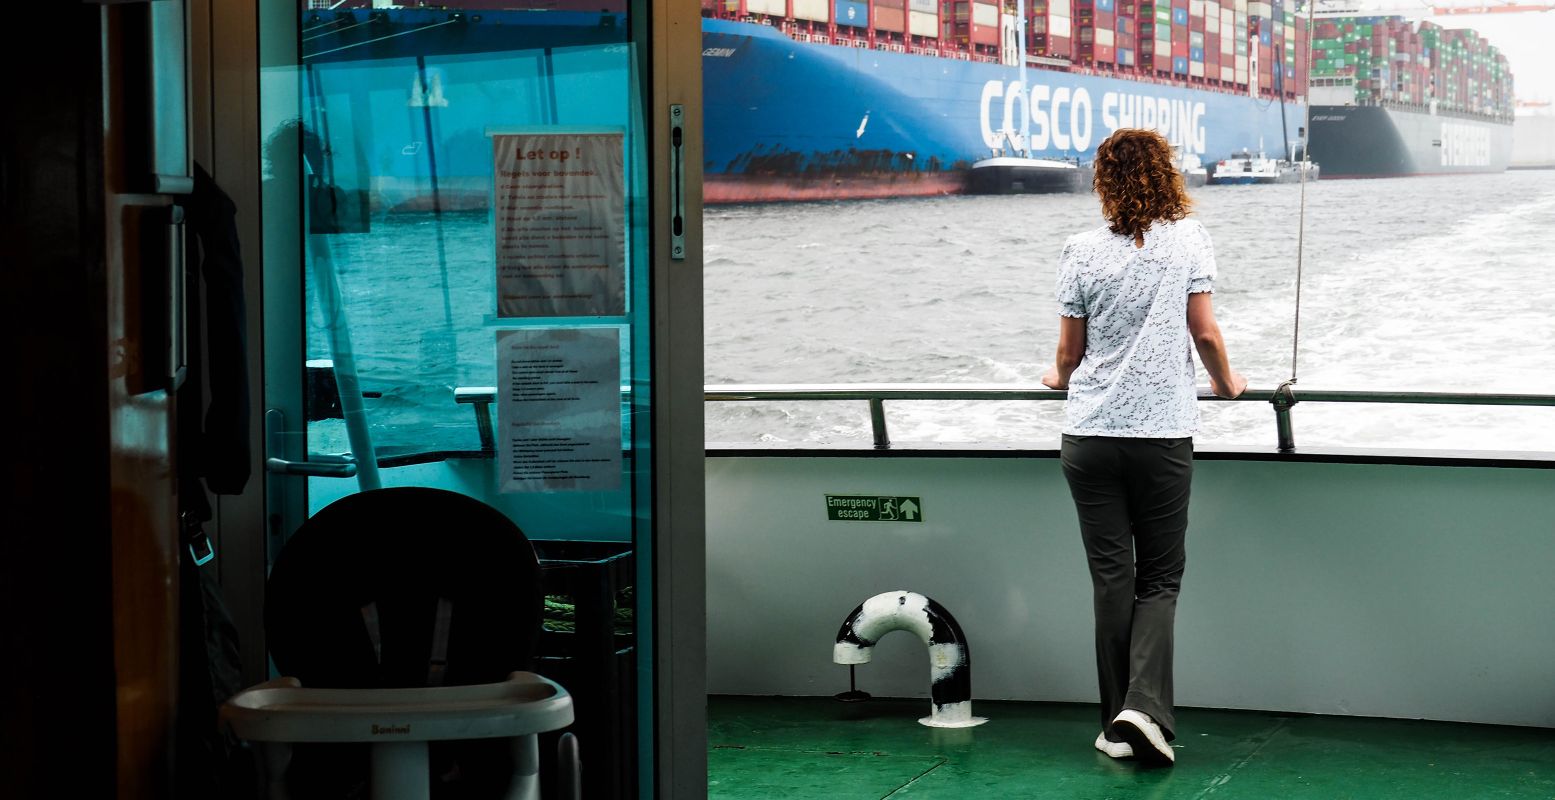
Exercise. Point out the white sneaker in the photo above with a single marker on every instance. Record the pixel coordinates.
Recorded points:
(1114, 749)
(1144, 736)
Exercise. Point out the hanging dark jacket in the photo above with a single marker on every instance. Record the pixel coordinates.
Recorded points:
(217, 384)
(213, 446)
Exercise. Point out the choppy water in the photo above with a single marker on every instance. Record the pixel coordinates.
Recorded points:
(1415, 284)
(1411, 284)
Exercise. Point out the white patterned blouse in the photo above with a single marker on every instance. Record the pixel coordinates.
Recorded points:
(1137, 376)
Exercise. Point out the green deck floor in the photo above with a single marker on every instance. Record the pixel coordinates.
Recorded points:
(806, 748)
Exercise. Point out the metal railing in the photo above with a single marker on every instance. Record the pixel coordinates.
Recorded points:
(1282, 399)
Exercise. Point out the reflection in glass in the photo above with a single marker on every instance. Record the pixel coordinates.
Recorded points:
(386, 121)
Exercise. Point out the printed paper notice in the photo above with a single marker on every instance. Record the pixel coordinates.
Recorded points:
(560, 225)
(559, 409)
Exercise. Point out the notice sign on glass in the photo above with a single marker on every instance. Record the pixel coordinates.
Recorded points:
(560, 224)
(559, 409)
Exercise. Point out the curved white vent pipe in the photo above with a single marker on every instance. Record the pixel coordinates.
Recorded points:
(950, 660)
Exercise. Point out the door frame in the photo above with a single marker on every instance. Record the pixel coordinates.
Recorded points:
(226, 62)
(679, 509)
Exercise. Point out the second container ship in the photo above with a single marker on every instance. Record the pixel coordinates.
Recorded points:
(1394, 98)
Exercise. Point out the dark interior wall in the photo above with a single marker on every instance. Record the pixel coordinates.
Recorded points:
(57, 689)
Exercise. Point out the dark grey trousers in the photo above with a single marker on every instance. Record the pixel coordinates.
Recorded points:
(1132, 499)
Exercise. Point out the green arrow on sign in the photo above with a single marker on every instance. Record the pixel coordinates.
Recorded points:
(873, 508)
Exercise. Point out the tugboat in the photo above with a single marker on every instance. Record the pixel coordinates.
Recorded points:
(1020, 174)
(1246, 168)
(1192, 168)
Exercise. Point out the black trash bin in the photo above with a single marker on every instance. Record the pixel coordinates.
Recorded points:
(596, 659)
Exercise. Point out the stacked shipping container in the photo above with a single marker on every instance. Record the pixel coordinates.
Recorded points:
(1236, 45)
(1393, 61)
(1050, 29)
(1203, 41)
(1096, 32)
(971, 23)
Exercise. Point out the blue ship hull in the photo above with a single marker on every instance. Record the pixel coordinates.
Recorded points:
(405, 101)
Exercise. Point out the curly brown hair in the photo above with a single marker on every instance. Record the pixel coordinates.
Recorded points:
(1137, 182)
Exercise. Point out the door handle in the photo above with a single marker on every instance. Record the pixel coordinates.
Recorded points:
(677, 182)
(316, 466)
(342, 466)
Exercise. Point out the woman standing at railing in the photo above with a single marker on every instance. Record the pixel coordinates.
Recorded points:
(1132, 296)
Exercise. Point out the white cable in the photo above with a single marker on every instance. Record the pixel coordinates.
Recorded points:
(1306, 164)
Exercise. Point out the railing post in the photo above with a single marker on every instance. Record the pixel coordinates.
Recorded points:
(483, 427)
(1284, 398)
(877, 423)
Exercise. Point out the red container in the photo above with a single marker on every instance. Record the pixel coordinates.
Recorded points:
(1058, 46)
(895, 21)
(1180, 50)
(1106, 54)
(1163, 62)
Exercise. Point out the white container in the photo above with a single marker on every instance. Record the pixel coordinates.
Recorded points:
(1106, 37)
(1228, 74)
(984, 14)
(920, 23)
(1059, 26)
(775, 8)
(813, 10)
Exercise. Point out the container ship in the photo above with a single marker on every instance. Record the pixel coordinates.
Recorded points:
(1394, 98)
(822, 99)
(805, 99)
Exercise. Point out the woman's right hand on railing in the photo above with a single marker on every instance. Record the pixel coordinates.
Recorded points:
(1231, 388)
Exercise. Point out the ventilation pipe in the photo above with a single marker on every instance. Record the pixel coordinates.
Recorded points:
(950, 660)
